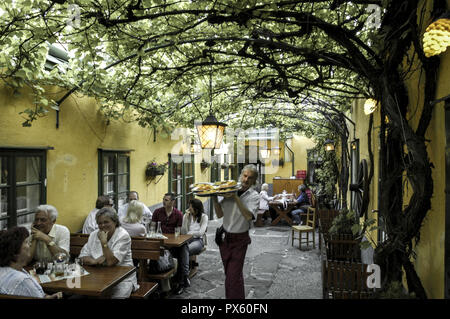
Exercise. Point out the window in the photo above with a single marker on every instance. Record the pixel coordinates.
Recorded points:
(181, 176)
(22, 185)
(114, 175)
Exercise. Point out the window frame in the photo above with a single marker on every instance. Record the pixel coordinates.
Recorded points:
(101, 187)
(185, 194)
(12, 153)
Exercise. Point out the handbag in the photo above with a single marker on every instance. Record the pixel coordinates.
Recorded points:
(163, 264)
(220, 234)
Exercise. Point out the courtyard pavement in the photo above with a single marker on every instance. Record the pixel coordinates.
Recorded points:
(273, 269)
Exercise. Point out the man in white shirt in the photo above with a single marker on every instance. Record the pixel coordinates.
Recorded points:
(133, 195)
(48, 238)
(238, 210)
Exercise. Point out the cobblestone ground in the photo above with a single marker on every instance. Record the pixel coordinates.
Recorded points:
(273, 268)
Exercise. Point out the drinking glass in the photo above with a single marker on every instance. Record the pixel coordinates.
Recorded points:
(59, 269)
(177, 231)
(152, 229)
(40, 267)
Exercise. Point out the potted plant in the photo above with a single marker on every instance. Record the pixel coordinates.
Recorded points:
(154, 169)
(204, 164)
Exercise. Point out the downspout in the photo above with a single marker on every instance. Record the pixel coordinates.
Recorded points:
(293, 158)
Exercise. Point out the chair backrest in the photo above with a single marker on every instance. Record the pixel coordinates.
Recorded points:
(144, 249)
(205, 238)
(311, 217)
(313, 200)
(77, 241)
(343, 247)
(344, 280)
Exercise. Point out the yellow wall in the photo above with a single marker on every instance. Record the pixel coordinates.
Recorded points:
(430, 250)
(361, 130)
(72, 185)
(299, 145)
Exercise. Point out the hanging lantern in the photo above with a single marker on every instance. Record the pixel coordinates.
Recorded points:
(370, 106)
(436, 38)
(329, 145)
(211, 132)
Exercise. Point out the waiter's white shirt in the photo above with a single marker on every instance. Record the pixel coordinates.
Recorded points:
(233, 220)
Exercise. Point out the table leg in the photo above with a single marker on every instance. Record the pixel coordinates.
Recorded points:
(276, 220)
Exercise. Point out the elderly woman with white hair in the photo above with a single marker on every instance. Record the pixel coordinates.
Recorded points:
(47, 237)
(264, 200)
(133, 218)
(110, 245)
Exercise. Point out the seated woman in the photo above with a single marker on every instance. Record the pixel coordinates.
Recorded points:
(132, 220)
(14, 255)
(302, 204)
(264, 200)
(110, 245)
(194, 223)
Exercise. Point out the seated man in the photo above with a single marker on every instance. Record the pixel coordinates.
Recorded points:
(170, 217)
(133, 195)
(48, 238)
(302, 204)
(90, 224)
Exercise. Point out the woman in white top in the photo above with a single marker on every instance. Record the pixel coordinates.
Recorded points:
(195, 222)
(110, 245)
(14, 255)
(133, 218)
(264, 200)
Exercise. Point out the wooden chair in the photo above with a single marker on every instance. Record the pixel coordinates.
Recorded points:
(343, 247)
(145, 249)
(344, 280)
(259, 218)
(313, 205)
(325, 219)
(308, 228)
(142, 249)
(77, 241)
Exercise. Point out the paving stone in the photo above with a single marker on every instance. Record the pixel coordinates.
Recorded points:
(273, 268)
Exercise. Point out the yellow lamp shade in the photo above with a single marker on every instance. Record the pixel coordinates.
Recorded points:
(211, 132)
(370, 106)
(436, 38)
(329, 145)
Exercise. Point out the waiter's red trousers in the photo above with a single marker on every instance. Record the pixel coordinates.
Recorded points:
(233, 251)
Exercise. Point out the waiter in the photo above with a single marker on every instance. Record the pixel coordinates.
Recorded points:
(237, 210)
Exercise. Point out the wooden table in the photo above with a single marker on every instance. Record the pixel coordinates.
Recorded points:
(282, 212)
(99, 281)
(173, 241)
(290, 185)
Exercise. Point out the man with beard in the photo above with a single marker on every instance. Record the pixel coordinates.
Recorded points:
(237, 210)
(48, 238)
